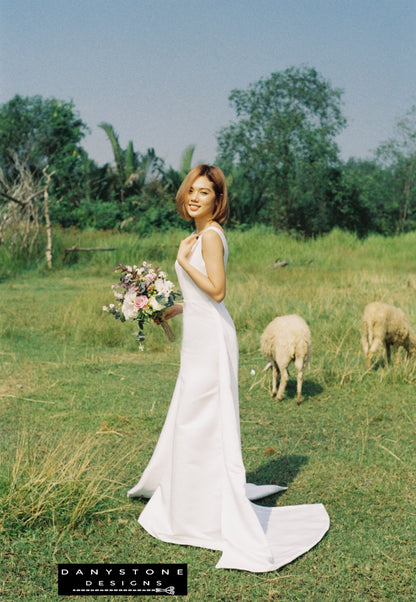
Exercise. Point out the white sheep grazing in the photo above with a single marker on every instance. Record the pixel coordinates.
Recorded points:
(286, 339)
(388, 325)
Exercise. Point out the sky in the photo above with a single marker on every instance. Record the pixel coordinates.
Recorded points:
(161, 71)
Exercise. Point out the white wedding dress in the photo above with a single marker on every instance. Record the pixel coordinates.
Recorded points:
(196, 479)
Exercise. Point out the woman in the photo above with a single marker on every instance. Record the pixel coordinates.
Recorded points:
(196, 478)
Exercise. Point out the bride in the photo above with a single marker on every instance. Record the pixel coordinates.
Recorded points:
(196, 479)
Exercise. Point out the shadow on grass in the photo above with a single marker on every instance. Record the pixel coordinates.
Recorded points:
(379, 364)
(280, 471)
(309, 389)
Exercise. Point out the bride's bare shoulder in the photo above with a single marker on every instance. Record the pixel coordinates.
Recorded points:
(210, 231)
(218, 226)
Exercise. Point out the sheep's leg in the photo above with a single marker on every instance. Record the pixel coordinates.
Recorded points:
(275, 378)
(299, 367)
(284, 377)
(364, 344)
(373, 348)
(388, 352)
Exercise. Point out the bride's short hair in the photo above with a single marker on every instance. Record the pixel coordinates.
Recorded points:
(214, 175)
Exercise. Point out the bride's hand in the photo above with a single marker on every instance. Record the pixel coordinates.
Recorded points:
(186, 247)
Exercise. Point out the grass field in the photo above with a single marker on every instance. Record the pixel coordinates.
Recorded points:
(81, 410)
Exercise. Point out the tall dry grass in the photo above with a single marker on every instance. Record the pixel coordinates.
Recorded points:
(59, 480)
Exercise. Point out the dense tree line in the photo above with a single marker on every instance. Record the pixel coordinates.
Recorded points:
(279, 154)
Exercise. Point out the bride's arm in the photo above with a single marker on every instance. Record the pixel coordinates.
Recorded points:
(213, 253)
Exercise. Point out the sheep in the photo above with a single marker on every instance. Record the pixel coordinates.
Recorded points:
(388, 325)
(286, 339)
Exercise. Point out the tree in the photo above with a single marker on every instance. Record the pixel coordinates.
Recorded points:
(281, 151)
(36, 133)
(364, 203)
(398, 155)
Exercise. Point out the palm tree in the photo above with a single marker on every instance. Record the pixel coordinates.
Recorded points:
(186, 160)
(119, 154)
(172, 177)
(133, 170)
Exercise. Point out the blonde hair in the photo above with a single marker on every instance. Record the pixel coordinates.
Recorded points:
(214, 175)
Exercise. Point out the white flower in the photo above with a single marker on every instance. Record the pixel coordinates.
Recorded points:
(252, 372)
(164, 287)
(155, 304)
(105, 308)
(128, 308)
(111, 306)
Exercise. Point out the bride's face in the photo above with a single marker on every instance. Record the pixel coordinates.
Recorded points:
(200, 202)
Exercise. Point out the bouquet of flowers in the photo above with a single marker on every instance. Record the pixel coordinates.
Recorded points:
(143, 293)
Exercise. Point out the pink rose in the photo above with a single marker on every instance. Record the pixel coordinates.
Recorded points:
(141, 301)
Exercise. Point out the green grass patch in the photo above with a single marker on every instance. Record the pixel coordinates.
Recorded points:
(81, 410)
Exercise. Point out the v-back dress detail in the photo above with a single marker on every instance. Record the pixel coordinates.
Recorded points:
(196, 478)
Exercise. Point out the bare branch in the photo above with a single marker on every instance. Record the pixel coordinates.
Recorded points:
(20, 212)
(10, 198)
(47, 218)
(279, 264)
(21, 203)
